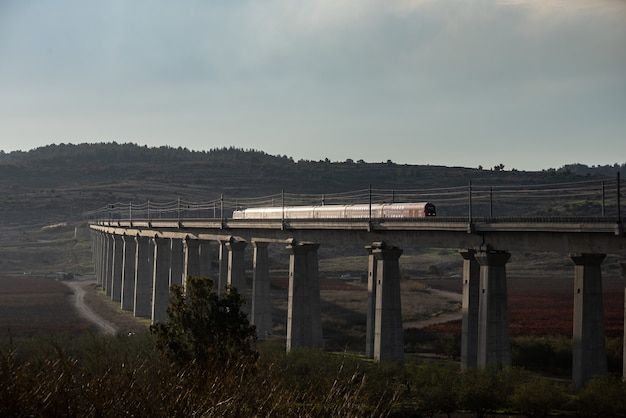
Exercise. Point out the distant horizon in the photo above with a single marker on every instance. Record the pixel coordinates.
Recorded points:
(591, 166)
(524, 83)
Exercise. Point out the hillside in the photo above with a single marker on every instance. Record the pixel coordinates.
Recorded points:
(45, 191)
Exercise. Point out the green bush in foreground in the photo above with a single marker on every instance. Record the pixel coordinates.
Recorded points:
(204, 327)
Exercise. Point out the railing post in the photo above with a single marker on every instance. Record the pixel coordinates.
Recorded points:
(222, 207)
(603, 210)
(149, 215)
(370, 204)
(490, 202)
(469, 190)
(619, 210)
(282, 204)
(130, 212)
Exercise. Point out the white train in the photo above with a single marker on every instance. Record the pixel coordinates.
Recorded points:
(361, 211)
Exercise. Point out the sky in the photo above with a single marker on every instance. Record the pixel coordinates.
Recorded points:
(531, 84)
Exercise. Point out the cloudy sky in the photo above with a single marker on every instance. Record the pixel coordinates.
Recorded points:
(531, 84)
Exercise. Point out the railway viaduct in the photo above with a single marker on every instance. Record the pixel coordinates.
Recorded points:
(137, 260)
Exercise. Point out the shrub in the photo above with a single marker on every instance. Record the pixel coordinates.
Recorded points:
(203, 327)
(546, 354)
(486, 390)
(538, 397)
(602, 397)
(436, 387)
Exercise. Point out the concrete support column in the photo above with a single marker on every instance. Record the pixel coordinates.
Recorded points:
(236, 265)
(160, 279)
(469, 308)
(176, 262)
(388, 336)
(222, 279)
(370, 330)
(261, 298)
(204, 251)
(96, 253)
(100, 256)
(128, 273)
(108, 264)
(118, 268)
(191, 258)
(304, 317)
(494, 345)
(142, 306)
(623, 273)
(589, 350)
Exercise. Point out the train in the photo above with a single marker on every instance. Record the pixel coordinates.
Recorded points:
(359, 211)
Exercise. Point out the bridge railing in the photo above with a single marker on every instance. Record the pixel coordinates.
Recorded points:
(586, 199)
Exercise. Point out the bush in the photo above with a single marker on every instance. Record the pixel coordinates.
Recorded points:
(436, 387)
(203, 327)
(602, 397)
(545, 354)
(538, 397)
(487, 390)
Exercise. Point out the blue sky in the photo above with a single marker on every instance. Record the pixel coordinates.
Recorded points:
(529, 84)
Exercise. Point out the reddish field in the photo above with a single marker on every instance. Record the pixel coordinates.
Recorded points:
(545, 307)
(37, 306)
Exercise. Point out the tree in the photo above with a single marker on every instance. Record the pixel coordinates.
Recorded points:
(204, 327)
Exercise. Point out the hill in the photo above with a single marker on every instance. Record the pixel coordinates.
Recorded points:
(45, 191)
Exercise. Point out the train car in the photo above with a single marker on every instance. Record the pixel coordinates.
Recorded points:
(361, 211)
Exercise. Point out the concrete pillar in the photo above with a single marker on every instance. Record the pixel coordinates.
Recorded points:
(222, 279)
(95, 254)
(388, 333)
(304, 318)
(160, 279)
(128, 273)
(589, 350)
(108, 264)
(100, 256)
(261, 298)
(142, 306)
(236, 266)
(494, 345)
(205, 261)
(176, 262)
(118, 268)
(469, 308)
(623, 274)
(191, 258)
(370, 330)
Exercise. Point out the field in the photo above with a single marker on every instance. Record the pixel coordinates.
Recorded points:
(540, 306)
(31, 306)
(42, 306)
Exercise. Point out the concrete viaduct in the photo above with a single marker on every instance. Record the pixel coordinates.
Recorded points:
(136, 261)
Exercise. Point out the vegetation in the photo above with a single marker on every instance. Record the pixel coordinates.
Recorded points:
(203, 327)
(124, 376)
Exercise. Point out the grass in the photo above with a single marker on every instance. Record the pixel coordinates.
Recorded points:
(124, 375)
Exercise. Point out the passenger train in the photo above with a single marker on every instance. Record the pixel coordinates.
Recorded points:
(361, 211)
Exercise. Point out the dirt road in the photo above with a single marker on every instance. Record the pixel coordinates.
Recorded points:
(105, 327)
